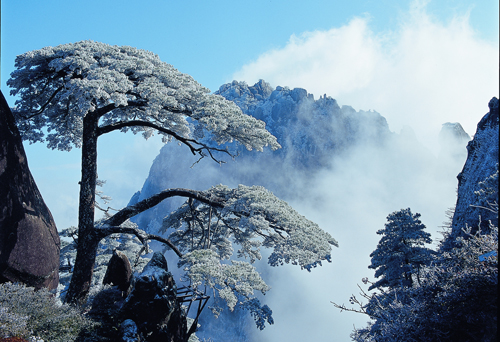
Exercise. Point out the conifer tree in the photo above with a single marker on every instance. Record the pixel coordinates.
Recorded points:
(400, 253)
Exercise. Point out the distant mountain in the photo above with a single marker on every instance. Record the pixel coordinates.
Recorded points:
(311, 132)
(452, 139)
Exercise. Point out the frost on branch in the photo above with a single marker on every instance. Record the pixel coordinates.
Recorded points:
(261, 313)
(231, 281)
(235, 283)
(247, 218)
(251, 217)
(129, 89)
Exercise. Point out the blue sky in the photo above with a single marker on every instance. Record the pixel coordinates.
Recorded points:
(418, 63)
(208, 40)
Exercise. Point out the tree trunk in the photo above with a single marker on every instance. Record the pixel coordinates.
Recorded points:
(87, 238)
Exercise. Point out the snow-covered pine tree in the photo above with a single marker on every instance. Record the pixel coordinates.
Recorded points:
(457, 299)
(400, 253)
(72, 94)
(457, 295)
(80, 91)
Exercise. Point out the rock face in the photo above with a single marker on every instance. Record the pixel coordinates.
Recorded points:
(29, 243)
(150, 312)
(308, 130)
(128, 331)
(482, 162)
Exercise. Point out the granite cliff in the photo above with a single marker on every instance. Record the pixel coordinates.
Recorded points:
(29, 243)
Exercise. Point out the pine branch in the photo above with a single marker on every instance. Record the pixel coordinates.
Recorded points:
(152, 201)
(106, 230)
(188, 142)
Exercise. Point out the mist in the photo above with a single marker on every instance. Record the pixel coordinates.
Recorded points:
(423, 74)
(349, 190)
(419, 76)
(351, 200)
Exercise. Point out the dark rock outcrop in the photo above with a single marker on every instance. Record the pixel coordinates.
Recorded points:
(151, 311)
(152, 304)
(482, 162)
(29, 243)
(119, 271)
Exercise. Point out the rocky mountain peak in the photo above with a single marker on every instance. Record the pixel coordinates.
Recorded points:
(453, 130)
(452, 140)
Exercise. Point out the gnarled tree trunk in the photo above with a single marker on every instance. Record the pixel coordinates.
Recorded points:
(87, 238)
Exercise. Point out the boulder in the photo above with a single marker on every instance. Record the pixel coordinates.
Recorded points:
(298, 94)
(119, 271)
(29, 243)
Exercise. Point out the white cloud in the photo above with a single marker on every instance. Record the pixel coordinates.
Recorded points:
(423, 74)
(316, 60)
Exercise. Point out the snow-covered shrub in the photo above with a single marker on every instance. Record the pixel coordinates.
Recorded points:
(25, 312)
(12, 324)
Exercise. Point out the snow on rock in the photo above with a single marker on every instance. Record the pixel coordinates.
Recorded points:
(314, 128)
(152, 303)
(482, 162)
(128, 331)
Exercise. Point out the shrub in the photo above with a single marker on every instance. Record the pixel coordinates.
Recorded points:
(25, 312)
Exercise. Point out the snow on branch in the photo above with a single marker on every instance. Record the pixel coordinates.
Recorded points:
(250, 217)
(127, 89)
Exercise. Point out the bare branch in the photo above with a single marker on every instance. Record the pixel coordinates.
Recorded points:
(150, 202)
(493, 207)
(42, 108)
(188, 142)
(141, 235)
